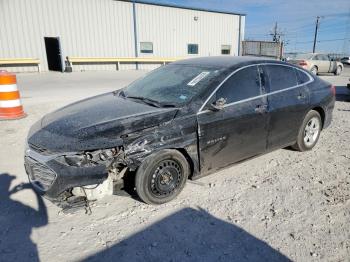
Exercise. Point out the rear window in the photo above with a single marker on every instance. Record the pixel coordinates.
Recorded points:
(302, 77)
(281, 77)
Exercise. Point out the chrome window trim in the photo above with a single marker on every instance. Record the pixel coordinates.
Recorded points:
(311, 79)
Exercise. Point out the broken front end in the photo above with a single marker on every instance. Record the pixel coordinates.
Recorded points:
(88, 175)
(88, 149)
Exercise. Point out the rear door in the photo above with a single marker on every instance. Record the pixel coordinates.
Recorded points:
(327, 63)
(239, 130)
(288, 102)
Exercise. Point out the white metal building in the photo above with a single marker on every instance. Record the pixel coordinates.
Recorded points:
(51, 30)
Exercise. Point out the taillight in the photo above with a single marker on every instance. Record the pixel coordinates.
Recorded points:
(303, 63)
(333, 90)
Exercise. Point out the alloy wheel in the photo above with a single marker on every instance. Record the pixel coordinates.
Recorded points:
(311, 132)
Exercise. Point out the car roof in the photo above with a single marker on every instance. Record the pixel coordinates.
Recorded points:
(223, 61)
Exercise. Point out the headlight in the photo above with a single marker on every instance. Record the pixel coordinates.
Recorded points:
(90, 158)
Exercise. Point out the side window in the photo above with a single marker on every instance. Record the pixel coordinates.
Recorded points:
(316, 57)
(146, 47)
(281, 77)
(325, 58)
(302, 77)
(225, 49)
(192, 49)
(241, 85)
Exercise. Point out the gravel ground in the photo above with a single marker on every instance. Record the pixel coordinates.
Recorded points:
(283, 206)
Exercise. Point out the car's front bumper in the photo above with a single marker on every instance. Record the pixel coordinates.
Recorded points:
(51, 178)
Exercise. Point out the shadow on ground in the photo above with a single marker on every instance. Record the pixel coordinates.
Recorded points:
(342, 93)
(190, 235)
(17, 221)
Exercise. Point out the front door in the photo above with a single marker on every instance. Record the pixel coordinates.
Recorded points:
(326, 63)
(239, 129)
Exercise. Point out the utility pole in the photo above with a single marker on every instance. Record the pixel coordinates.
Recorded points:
(316, 29)
(135, 32)
(276, 35)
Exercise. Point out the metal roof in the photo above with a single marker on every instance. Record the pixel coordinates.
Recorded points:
(183, 7)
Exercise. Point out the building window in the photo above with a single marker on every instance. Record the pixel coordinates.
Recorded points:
(225, 49)
(146, 47)
(192, 49)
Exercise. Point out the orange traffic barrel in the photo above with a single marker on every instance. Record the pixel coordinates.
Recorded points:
(10, 102)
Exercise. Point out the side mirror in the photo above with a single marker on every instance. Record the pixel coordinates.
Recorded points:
(218, 104)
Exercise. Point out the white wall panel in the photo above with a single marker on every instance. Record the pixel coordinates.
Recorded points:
(104, 28)
(171, 29)
(85, 27)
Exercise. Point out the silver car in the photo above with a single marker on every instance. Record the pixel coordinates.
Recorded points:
(345, 60)
(317, 63)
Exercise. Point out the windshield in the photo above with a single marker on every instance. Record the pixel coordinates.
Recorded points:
(173, 84)
(303, 56)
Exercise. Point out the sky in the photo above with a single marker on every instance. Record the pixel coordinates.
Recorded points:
(296, 20)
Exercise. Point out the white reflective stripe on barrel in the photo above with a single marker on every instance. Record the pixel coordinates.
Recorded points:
(10, 103)
(8, 88)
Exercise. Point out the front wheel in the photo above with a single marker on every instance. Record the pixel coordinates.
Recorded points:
(161, 177)
(309, 132)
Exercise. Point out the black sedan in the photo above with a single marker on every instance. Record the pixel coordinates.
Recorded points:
(183, 120)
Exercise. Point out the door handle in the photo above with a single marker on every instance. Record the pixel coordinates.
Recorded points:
(260, 109)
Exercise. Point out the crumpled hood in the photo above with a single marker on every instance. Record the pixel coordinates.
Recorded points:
(95, 123)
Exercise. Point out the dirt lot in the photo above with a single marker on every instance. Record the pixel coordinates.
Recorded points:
(282, 206)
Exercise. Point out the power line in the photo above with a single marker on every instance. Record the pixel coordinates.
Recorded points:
(292, 35)
(330, 40)
(324, 40)
(346, 44)
(333, 28)
(326, 16)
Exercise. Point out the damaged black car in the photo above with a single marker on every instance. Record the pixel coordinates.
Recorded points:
(181, 121)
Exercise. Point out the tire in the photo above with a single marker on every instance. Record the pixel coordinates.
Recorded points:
(314, 70)
(338, 71)
(309, 132)
(161, 177)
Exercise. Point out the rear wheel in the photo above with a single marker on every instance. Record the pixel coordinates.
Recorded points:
(338, 71)
(161, 177)
(314, 70)
(309, 132)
